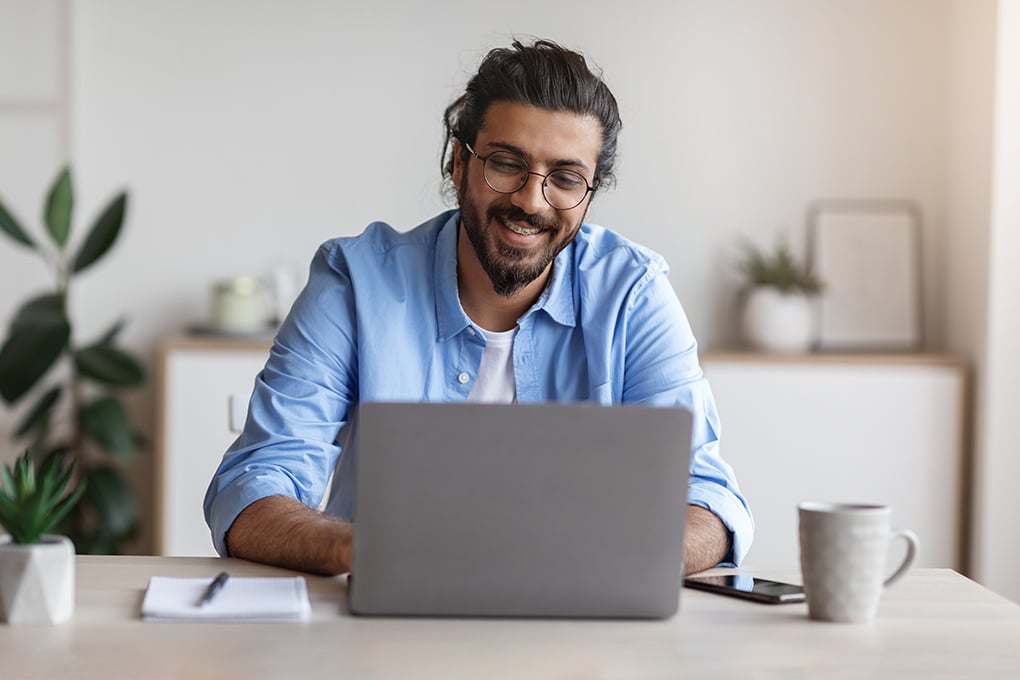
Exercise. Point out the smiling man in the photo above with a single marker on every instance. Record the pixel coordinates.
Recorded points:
(512, 297)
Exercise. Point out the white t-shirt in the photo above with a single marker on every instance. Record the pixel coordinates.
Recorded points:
(495, 380)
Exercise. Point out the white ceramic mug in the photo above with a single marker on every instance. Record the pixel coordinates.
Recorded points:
(240, 305)
(843, 553)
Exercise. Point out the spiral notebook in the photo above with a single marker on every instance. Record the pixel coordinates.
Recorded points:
(241, 599)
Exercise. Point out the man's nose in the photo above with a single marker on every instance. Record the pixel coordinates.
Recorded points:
(529, 197)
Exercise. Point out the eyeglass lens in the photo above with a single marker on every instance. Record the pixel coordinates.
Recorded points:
(506, 173)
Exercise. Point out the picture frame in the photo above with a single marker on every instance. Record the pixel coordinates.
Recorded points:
(868, 256)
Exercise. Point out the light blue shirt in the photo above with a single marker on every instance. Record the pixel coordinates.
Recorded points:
(380, 320)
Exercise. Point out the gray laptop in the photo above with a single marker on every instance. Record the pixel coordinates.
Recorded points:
(558, 510)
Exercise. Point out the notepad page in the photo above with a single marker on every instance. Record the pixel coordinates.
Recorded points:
(240, 599)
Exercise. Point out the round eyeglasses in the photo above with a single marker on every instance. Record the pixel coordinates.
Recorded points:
(505, 172)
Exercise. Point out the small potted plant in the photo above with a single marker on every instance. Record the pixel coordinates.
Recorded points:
(778, 309)
(36, 567)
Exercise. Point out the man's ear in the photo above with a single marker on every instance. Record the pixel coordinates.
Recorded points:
(458, 164)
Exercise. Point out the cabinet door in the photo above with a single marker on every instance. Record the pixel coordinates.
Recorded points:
(878, 432)
(197, 386)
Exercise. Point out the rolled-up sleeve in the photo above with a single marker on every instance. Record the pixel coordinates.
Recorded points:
(662, 369)
(299, 403)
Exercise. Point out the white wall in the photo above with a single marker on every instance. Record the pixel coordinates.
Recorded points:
(32, 127)
(997, 553)
(249, 131)
(970, 51)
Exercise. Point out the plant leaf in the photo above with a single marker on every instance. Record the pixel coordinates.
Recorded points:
(109, 366)
(29, 352)
(56, 474)
(10, 226)
(24, 477)
(8, 481)
(62, 481)
(46, 308)
(53, 460)
(103, 233)
(32, 513)
(110, 335)
(106, 422)
(54, 516)
(37, 504)
(59, 204)
(7, 506)
(45, 491)
(111, 498)
(779, 269)
(40, 413)
(10, 518)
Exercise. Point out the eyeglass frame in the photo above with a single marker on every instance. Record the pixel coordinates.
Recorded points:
(529, 171)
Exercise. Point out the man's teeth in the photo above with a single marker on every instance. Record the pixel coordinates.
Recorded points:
(520, 230)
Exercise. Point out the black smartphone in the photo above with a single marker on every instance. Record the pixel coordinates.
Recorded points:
(748, 587)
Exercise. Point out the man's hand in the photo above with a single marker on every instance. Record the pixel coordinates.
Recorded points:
(706, 540)
(286, 533)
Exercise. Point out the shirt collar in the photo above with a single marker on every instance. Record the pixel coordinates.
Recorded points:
(558, 297)
(450, 316)
(557, 300)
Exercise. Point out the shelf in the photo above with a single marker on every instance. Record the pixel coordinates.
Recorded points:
(872, 358)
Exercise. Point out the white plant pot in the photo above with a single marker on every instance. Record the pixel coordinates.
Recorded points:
(779, 322)
(36, 581)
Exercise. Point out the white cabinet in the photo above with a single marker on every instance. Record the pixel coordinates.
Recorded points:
(198, 378)
(868, 428)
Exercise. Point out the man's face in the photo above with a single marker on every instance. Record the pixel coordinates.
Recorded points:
(517, 236)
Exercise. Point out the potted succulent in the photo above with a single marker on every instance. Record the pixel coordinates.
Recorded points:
(778, 308)
(36, 567)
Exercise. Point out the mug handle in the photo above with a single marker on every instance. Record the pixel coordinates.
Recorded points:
(913, 544)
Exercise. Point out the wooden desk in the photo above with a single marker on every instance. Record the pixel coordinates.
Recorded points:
(934, 624)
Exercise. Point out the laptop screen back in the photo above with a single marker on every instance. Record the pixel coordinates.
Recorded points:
(567, 510)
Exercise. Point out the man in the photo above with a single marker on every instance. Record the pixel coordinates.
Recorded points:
(510, 298)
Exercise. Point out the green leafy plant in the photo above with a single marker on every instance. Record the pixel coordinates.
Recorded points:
(779, 269)
(33, 502)
(78, 407)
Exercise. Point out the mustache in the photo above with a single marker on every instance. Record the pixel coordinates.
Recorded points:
(515, 214)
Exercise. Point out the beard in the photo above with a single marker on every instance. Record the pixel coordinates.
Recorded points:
(510, 268)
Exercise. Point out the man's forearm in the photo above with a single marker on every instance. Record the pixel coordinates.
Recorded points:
(284, 532)
(706, 540)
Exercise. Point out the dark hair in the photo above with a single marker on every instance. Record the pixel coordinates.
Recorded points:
(543, 75)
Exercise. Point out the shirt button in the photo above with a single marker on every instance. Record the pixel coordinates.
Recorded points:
(471, 331)
(463, 378)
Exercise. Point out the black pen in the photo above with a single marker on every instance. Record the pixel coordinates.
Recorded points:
(214, 588)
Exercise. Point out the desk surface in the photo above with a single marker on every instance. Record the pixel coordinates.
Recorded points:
(933, 624)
